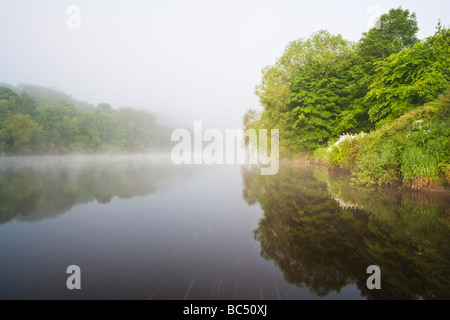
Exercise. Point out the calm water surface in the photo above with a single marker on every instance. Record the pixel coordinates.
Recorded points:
(142, 228)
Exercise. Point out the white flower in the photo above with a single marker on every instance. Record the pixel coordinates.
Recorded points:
(345, 137)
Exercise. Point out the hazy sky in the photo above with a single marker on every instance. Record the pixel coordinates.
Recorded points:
(196, 60)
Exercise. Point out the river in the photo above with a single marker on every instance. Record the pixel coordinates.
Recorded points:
(140, 227)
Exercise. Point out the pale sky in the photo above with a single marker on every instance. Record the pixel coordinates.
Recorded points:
(193, 59)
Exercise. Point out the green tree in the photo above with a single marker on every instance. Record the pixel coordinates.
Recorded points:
(89, 136)
(7, 94)
(141, 129)
(6, 109)
(105, 107)
(319, 91)
(67, 128)
(294, 92)
(410, 78)
(19, 103)
(275, 87)
(22, 134)
(111, 127)
(58, 123)
(52, 97)
(27, 105)
(393, 32)
(8, 100)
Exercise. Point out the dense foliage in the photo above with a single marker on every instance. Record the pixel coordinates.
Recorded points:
(410, 78)
(324, 87)
(57, 124)
(415, 149)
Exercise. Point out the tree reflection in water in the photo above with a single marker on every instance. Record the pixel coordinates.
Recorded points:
(35, 188)
(323, 233)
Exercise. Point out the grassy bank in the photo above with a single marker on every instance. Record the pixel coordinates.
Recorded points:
(413, 150)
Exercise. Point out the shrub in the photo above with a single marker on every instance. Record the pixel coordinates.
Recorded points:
(344, 151)
(379, 165)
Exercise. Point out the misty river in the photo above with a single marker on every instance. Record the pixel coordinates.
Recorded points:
(140, 227)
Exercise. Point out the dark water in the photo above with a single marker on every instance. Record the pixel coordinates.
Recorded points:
(141, 228)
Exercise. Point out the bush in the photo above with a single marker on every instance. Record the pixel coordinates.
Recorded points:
(379, 165)
(414, 149)
(343, 152)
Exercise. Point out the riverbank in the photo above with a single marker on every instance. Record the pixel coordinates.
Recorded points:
(413, 150)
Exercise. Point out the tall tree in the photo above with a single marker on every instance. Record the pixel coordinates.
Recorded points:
(294, 91)
(319, 94)
(393, 32)
(410, 78)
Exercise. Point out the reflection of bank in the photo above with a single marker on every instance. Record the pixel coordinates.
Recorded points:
(323, 245)
(34, 188)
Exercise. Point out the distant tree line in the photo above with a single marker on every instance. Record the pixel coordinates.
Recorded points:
(42, 120)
